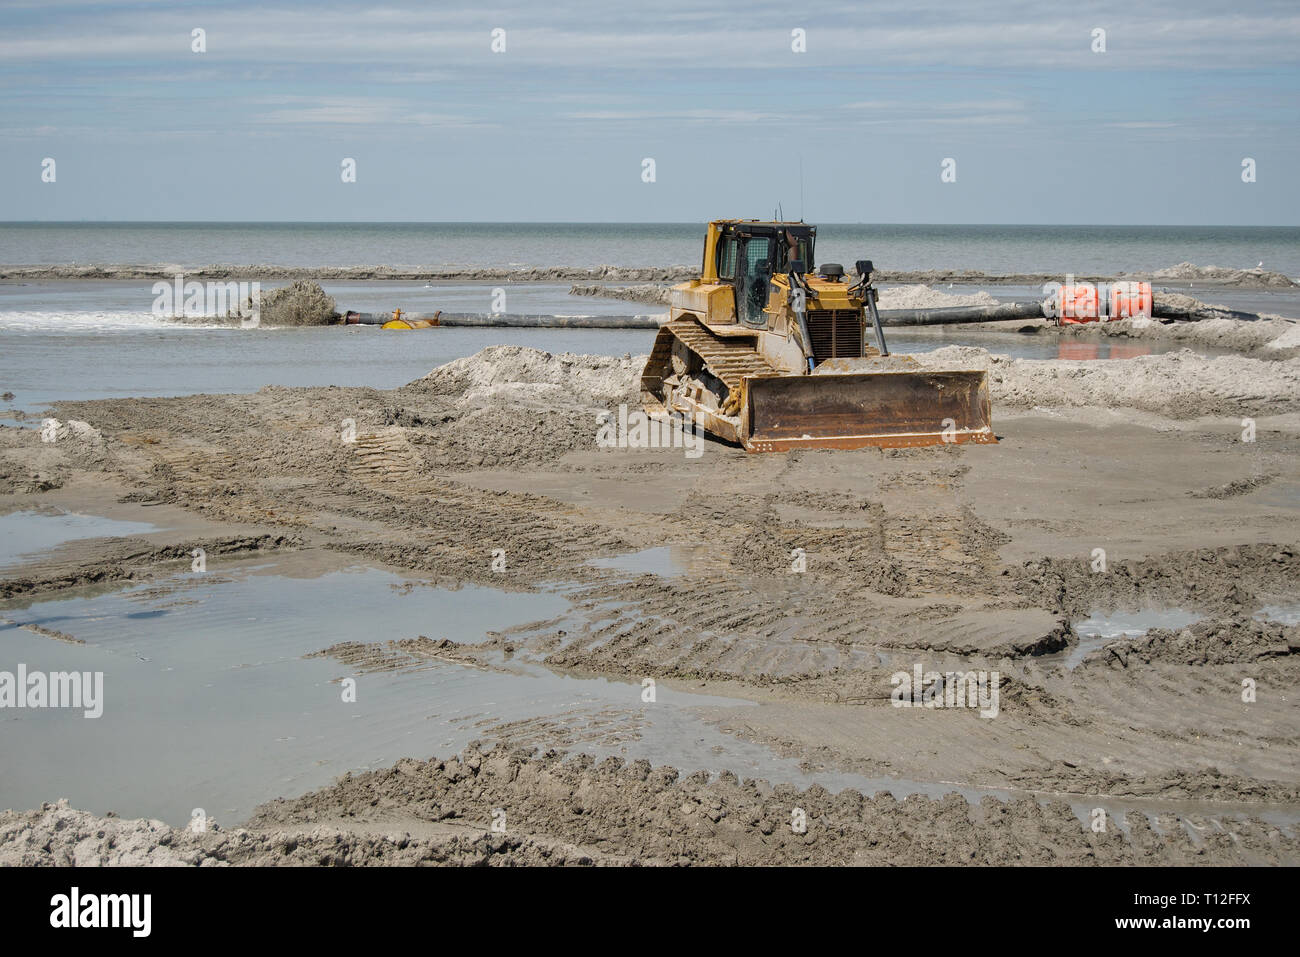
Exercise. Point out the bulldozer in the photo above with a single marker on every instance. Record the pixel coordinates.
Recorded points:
(768, 352)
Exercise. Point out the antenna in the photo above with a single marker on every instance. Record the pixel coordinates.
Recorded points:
(801, 187)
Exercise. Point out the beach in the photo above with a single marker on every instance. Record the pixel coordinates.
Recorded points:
(649, 655)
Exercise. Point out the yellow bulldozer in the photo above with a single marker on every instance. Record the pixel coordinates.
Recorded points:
(767, 352)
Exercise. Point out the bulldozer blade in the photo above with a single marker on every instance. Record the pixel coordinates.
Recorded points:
(850, 411)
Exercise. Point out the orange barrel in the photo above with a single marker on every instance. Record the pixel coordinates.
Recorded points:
(1077, 303)
(1130, 300)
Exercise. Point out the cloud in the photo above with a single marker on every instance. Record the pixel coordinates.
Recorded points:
(419, 36)
(356, 111)
(695, 115)
(584, 84)
(919, 112)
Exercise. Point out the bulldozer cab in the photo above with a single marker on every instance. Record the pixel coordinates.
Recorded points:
(748, 254)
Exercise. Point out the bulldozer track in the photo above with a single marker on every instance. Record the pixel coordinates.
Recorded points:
(385, 455)
(189, 462)
(730, 359)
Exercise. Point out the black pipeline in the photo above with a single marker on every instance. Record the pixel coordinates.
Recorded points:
(950, 315)
(956, 315)
(502, 320)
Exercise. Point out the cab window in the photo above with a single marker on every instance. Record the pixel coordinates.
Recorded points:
(802, 250)
(804, 253)
(727, 257)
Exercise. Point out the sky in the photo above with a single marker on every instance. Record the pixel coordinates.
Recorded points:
(849, 120)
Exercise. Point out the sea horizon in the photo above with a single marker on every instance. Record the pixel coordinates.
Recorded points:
(610, 222)
(986, 248)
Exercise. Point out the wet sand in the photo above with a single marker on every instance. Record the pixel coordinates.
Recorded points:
(955, 559)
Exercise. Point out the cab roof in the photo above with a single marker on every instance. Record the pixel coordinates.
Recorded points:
(763, 222)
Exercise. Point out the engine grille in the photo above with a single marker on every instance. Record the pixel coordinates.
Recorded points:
(835, 333)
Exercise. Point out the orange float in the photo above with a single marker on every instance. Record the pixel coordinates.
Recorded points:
(1130, 300)
(1077, 302)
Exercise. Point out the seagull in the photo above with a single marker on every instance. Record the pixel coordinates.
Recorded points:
(1260, 265)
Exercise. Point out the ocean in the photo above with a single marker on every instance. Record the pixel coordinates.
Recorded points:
(994, 249)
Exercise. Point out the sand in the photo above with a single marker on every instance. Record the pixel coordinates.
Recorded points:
(1275, 334)
(1218, 275)
(556, 812)
(650, 293)
(1176, 385)
(520, 375)
(921, 296)
(953, 558)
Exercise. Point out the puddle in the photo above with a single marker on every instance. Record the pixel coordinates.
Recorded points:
(667, 561)
(23, 535)
(1098, 629)
(209, 702)
(1287, 614)
(207, 699)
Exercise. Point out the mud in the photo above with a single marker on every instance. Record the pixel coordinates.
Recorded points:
(1217, 641)
(547, 810)
(952, 559)
(129, 559)
(304, 303)
(301, 303)
(60, 836)
(1235, 578)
